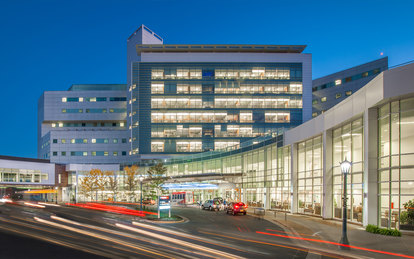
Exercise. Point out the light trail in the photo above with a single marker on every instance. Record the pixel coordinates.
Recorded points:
(122, 234)
(59, 233)
(179, 242)
(53, 241)
(49, 204)
(34, 205)
(290, 232)
(183, 235)
(337, 244)
(99, 236)
(271, 244)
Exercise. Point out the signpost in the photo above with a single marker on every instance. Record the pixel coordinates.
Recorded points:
(164, 202)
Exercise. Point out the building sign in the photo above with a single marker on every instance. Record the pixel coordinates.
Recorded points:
(164, 202)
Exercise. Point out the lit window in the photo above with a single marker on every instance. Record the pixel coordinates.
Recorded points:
(63, 141)
(338, 82)
(80, 99)
(157, 146)
(323, 99)
(348, 93)
(115, 153)
(314, 114)
(115, 140)
(85, 153)
(338, 95)
(314, 101)
(93, 140)
(106, 153)
(64, 99)
(72, 141)
(121, 124)
(85, 140)
(53, 125)
(60, 124)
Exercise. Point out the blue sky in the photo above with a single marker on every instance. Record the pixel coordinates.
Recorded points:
(49, 44)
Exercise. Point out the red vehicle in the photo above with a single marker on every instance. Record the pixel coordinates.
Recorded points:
(236, 208)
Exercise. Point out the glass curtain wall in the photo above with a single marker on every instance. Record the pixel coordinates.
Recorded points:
(310, 176)
(348, 144)
(396, 164)
(280, 178)
(253, 178)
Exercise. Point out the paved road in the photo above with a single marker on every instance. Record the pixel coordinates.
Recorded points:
(84, 233)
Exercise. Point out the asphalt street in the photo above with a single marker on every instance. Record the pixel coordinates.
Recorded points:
(68, 232)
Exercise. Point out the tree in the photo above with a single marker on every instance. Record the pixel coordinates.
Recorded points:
(112, 182)
(99, 181)
(156, 178)
(131, 180)
(87, 186)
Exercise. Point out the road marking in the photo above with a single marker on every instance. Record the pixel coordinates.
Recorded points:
(106, 238)
(184, 235)
(265, 243)
(119, 234)
(179, 242)
(338, 244)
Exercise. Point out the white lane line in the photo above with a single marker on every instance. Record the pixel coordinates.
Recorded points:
(178, 242)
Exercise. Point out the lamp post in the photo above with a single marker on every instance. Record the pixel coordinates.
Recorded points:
(345, 168)
(141, 178)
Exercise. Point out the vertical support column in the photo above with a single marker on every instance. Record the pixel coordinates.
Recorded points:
(293, 177)
(327, 175)
(242, 178)
(266, 189)
(370, 181)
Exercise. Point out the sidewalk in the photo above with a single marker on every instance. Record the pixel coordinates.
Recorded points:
(330, 230)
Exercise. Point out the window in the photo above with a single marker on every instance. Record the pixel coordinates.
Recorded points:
(338, 82)
(55, 141)
(115, 140)
(315, 101)
(117, 99)
(157, 88)
(314, 114)
(72, 110)
(338, 95)
(365, 74)
(117, 110)
(115, 153)
(54, 153)
(157, 146)
(348, 93)
(323, 99)
(64, 99)
(124, 153)
(95, 110)
(63, 153)
(348, 79)
(124, 140)
(63, 141)
(78, 153)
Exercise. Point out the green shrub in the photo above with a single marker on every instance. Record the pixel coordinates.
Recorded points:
(382, 231)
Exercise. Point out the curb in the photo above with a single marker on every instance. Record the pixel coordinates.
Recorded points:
(183, 220)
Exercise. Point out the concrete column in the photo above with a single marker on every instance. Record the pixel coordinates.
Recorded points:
(370, 181)
(327, 175)
(294, 177)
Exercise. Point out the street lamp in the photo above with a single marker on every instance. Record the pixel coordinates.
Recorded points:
(141, 178)
(345, 168)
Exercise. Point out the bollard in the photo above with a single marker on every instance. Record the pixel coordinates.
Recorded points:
(285, 216)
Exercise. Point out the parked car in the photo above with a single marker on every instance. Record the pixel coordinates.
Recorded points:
(211, 205)
(236, 208)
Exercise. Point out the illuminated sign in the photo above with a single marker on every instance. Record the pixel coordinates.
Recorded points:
(164, 202)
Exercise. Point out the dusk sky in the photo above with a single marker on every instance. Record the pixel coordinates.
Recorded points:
(50, 45)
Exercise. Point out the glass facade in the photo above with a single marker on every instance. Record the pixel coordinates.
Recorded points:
(195, 107)
(347, 143)
(309, 176)
(396, 163)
